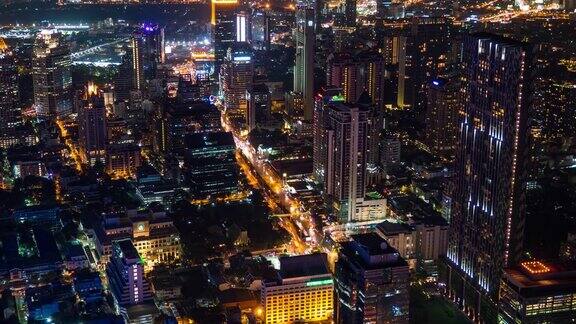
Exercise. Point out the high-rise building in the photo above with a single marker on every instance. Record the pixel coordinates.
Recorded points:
(92, 127)
(224, 22)
(357, 73)
(350, 13)
(340, 134)
(123, 83)
(260, 28)
(424, 57)
(259, 105)
(538, 292)
(136, 59)
(301, 291)
(243, 26)
(487, 223)
(236, 77)
(305, 38)
(51, 75)
(10, 115)
(372, 282)
(153, 52)
(442, 116)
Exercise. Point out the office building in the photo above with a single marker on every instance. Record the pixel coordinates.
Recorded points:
(305, 39)
(487, 223)
(538, 292)
(92, 127)
(259, 106)
(51, 75)
(236, 78)
(371, 282)
(442, 117)
(182, 118)
(301, 291)
(210, 164)
(224, 23)
(341, 136)
(10, 115)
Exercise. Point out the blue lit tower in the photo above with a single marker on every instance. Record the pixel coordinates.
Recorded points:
(487, 223)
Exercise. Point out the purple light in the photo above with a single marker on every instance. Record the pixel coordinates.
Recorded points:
(435, 83)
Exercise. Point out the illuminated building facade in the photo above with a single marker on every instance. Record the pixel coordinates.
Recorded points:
(9, 95)
(92, 127)
(301, 291)
(305, 39)
(236, 78)
(154, 236)
(442, 116)
(51, 75)
(372, 282)
(487, 223)
(123, 159)
(538, 292)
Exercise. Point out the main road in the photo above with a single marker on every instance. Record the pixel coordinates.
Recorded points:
(296, 220)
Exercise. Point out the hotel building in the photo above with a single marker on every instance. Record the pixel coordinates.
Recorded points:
(301, 291)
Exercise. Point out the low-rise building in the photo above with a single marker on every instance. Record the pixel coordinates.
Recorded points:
(302, 290)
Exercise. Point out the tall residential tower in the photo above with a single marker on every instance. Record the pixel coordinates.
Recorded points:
(487, 223)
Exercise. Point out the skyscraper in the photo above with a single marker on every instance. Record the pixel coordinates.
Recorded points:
(236, 77)
(136, 60)
(442, 116)
(423, 58)
(259, 105)
(224, 22)
(9, 95)
(341, 154)
(153, 54)
(92, 127)
(372, 282)
(305, 38)
(51, 75)
(487, 223)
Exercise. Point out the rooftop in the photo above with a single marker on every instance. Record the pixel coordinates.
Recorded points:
(127, 248)
(304, 265)
(205, 140)
(538, 278)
